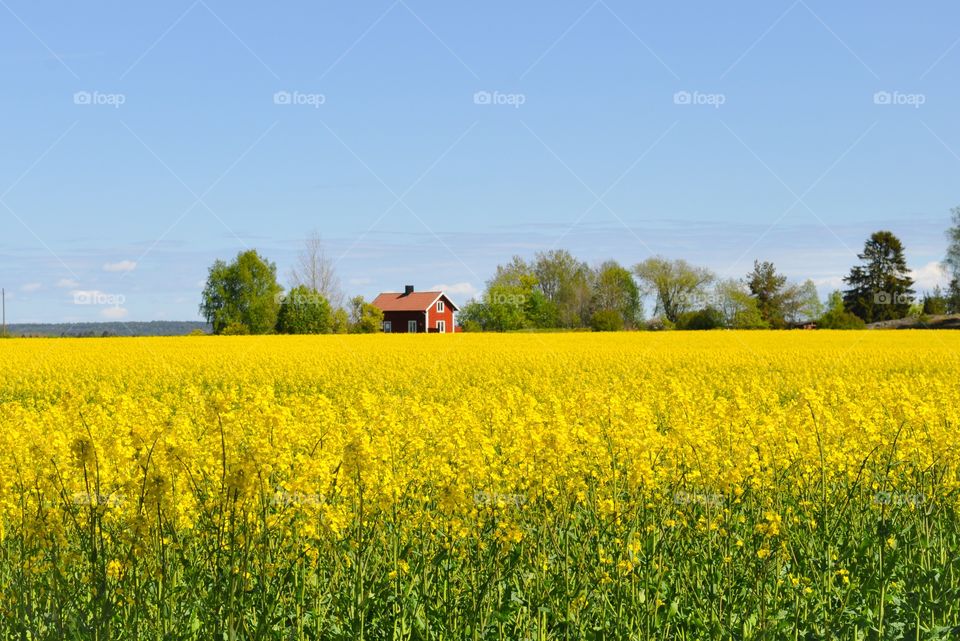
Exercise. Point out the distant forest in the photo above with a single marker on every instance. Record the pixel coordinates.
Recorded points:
(83, 330)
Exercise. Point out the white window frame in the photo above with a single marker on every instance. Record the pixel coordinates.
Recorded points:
(439, 305)
(411, 327)
(442, 326)
(387, 327)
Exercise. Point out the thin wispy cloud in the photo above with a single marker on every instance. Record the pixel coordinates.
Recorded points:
(457, 289)
(121, 266)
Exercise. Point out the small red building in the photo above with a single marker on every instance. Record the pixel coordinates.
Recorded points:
(416, 312)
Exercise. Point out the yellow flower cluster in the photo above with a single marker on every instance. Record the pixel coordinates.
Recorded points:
(466, 423)
(472, 441)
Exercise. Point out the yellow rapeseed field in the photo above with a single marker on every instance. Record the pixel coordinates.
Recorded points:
(717, 485)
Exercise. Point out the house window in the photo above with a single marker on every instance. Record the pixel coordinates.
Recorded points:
(412, 327)
(439, 305)
(387, 327)
(442, 327)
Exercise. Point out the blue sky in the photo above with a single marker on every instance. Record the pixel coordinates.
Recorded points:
(428, 141)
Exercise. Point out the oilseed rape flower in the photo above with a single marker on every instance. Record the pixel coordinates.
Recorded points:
(456, 486)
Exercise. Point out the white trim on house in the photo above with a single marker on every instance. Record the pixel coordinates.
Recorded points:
(442, 295)
(441, 327)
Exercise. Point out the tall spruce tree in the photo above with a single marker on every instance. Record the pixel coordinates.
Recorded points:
(881, 287)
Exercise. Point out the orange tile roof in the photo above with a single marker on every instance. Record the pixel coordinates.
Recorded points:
(414, 302)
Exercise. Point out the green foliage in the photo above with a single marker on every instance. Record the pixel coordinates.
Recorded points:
(936, 303)
(364, 317)
(243, 292)
(804, 304)
(471, 325)
(513, 301)
(678, 286)
(565, 284)
(880, 288)
(615, 290)
(658, 324)
(339, 321)
(502, 309)
(769, 289)
(235, 329)
(540, 313)
(197, 332)
(304, 311)
(606, 320)
(472, 314)
(837, 316)
(703, 319)
(737, 307)
(953, 297)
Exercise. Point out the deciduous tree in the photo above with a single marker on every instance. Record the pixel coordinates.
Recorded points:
(304, 311)
(677, 285)
(615, 290)
(243, 293)
(315, 269)
(365, 318)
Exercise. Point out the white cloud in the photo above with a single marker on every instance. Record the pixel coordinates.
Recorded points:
(467, 290)
(30, 287)
(929, 276)
(67, 283)
(831, 283)
(360, 281)
(122, 266)
(114, 313)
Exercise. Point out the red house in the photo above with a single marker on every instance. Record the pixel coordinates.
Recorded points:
(416, 312)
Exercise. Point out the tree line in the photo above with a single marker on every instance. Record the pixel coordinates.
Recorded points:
(555, 290)
(243, 296)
